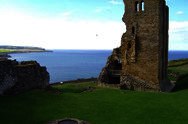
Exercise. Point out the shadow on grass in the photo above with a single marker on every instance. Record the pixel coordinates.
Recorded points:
(79, 89)
(71, 88)
(181, 83)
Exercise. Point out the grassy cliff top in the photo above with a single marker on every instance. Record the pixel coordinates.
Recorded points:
(6, 50)
(20, 49)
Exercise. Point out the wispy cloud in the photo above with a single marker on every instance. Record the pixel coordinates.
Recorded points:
(178, 33)
(18, 28)
(102, 9)
(115, 2)
(179, 12)
(98, 10)
(66, 13)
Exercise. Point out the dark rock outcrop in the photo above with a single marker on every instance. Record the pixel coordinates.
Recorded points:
(4, 55)
(16, 77)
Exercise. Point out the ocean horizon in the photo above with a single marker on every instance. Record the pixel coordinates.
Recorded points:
(65, 65)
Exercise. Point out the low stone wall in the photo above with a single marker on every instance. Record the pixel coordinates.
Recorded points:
(16, 77)
(130, 82)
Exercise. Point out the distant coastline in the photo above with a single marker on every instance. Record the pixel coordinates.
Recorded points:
(6, 50)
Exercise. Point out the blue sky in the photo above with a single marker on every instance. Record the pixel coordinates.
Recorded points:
(81, 9)
(78, 24)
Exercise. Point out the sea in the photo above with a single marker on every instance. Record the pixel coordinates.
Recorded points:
(65, 65)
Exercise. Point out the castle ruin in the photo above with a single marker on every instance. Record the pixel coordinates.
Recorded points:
(140, 63)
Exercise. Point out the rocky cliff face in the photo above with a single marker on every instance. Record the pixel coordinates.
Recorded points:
(16, 77)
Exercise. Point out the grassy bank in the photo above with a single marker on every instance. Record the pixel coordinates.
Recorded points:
(179, 66)
(6, 51)
(97, 105)
(20, 49)
(179, 73)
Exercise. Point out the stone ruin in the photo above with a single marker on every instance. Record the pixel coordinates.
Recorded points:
(140, 63)
(16, 77)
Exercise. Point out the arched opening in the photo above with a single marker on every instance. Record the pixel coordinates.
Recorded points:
(115, 71)
(136, 6)
(143, 7)
(129, 46)
(133, 30)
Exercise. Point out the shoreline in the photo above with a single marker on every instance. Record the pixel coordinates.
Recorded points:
(2, 55)
(17, 52)
(7, 54)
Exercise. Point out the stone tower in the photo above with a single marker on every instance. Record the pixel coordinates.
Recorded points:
(140, 63)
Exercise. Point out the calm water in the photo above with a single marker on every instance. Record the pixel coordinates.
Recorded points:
(66, 65)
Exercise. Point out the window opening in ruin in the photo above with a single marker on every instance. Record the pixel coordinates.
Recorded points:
(129, 46)
(137, 6)
(142, 5)
(133, 30)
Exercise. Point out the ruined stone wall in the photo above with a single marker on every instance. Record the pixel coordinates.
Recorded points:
(147, 26)
(164, 20)
(144, 45)
(147, 33)
(147, 39)
(111, 72)
(16, 77)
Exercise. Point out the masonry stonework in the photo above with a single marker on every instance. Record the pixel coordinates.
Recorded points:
(143, 55)
(17, 77)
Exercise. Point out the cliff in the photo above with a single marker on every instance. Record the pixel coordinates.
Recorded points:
(21, 49)
(16, 77)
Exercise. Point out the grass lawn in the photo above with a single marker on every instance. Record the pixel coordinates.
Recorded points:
(98, 106)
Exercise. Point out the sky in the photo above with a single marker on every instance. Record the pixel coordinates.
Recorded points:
(78, 24)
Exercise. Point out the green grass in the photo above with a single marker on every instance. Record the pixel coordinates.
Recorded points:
(179, 62)
(100, 106)
(179, 66)
(6, 50)
(180, 69)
